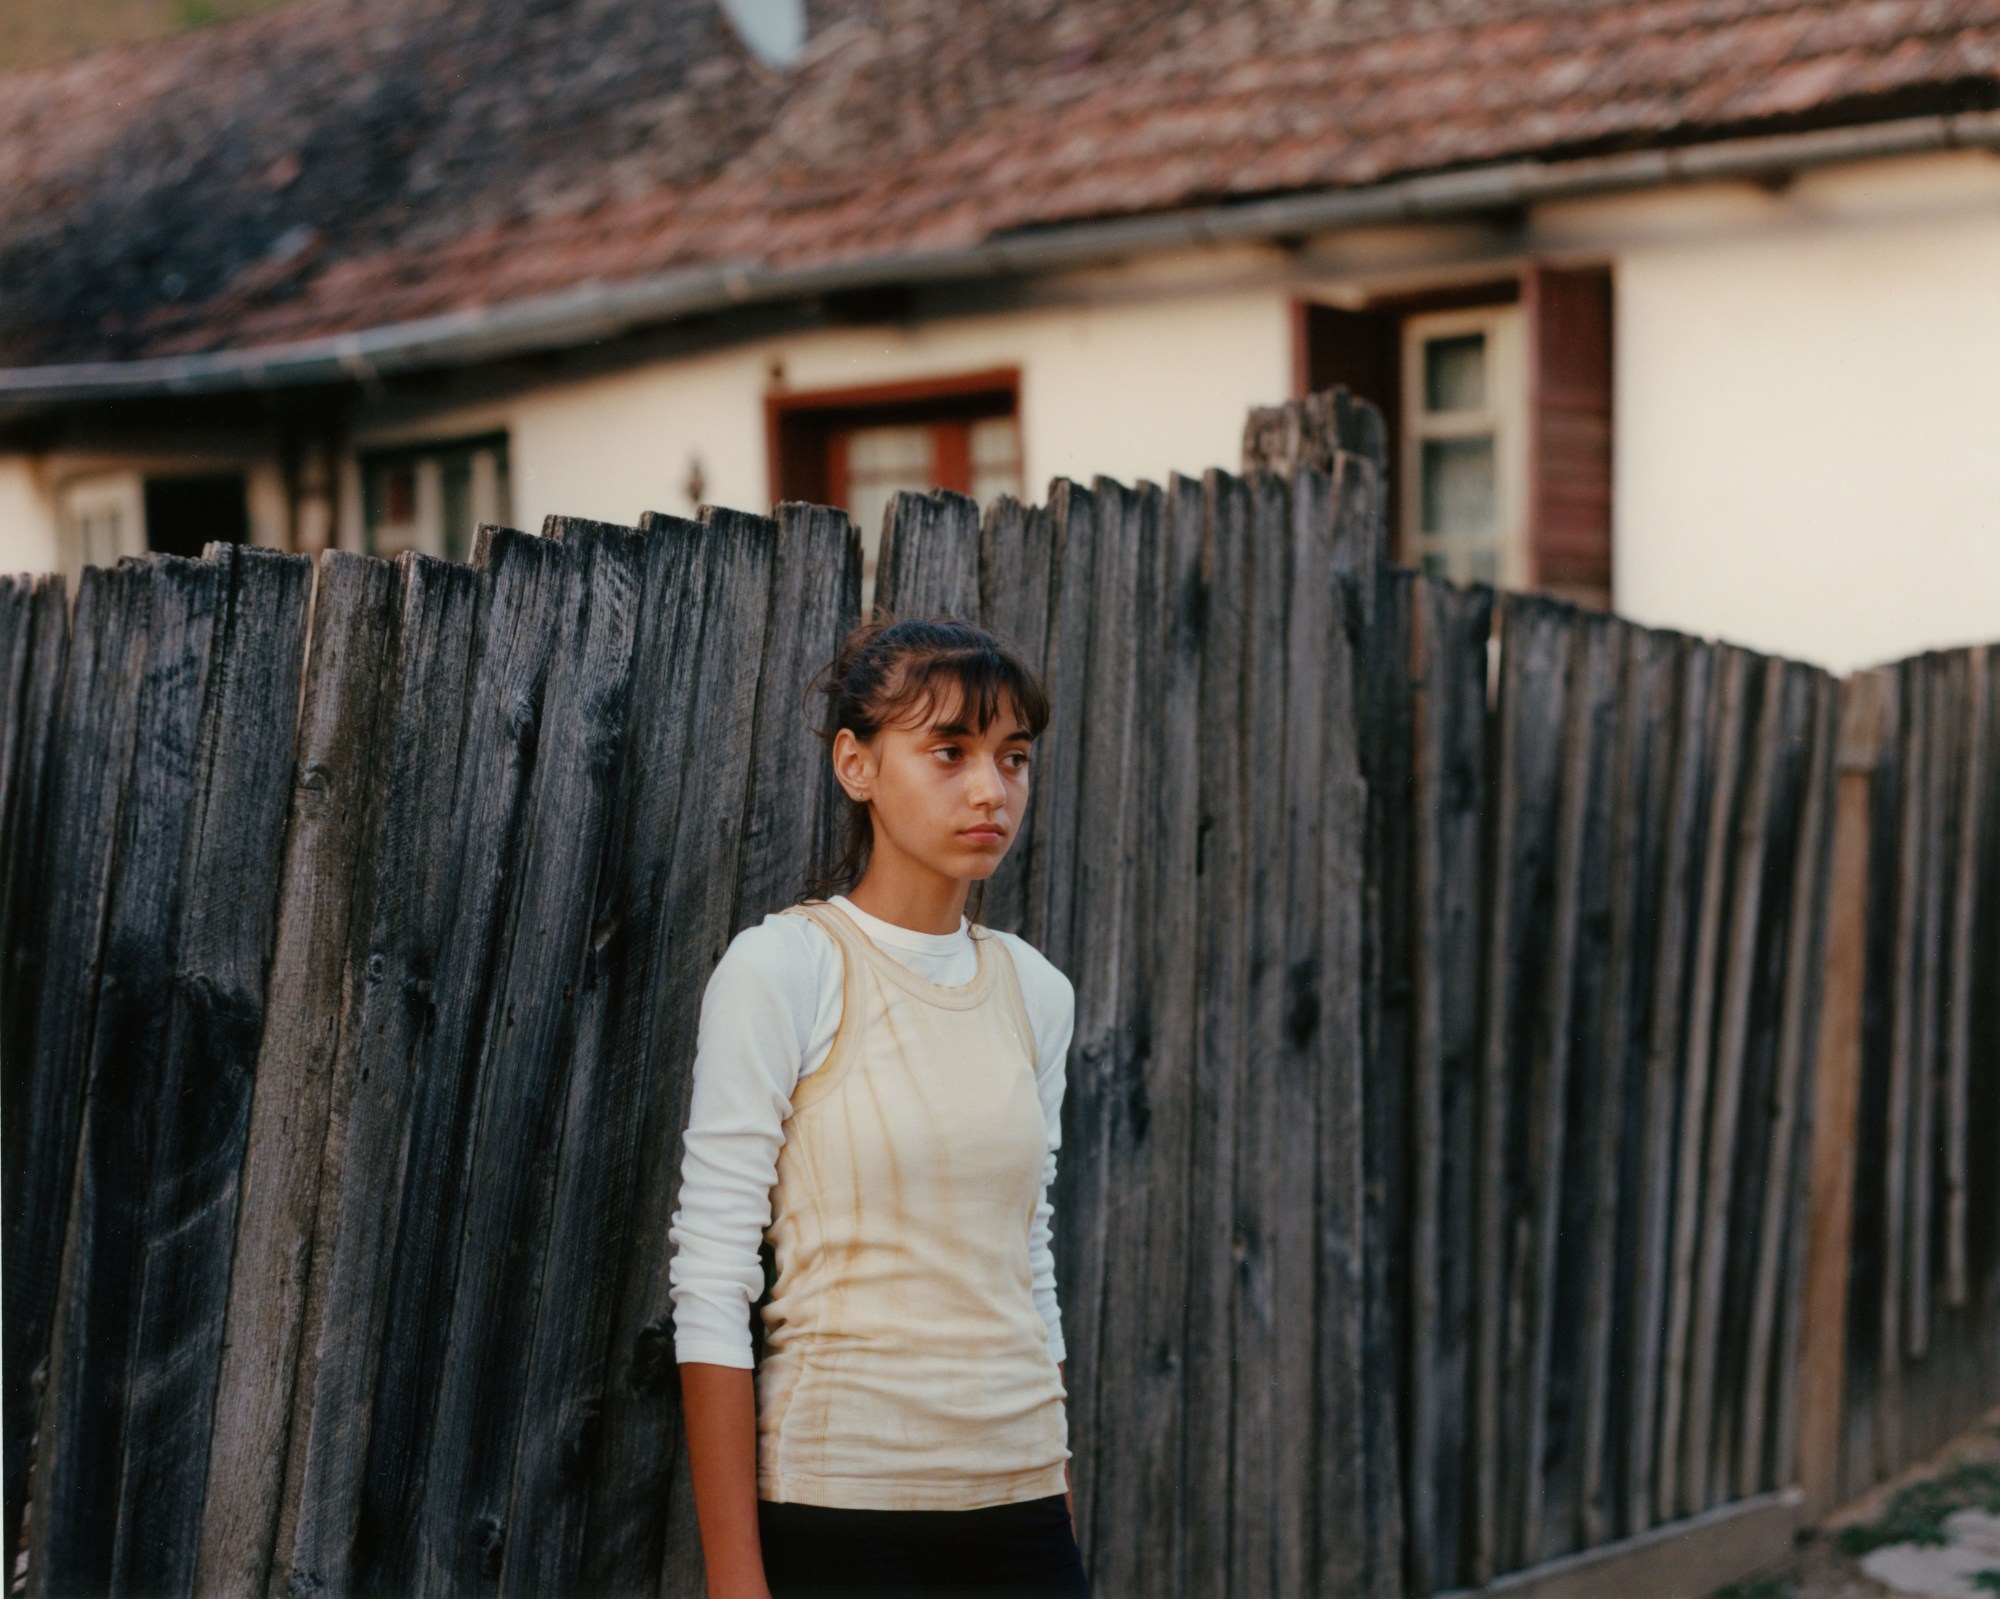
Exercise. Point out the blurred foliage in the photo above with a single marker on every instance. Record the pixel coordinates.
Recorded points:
(36, 32)
(1916, 1514)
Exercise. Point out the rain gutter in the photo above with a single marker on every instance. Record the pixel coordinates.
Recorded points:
(594, 311)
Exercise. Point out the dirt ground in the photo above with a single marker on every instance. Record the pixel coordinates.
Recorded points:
(1820, 1571)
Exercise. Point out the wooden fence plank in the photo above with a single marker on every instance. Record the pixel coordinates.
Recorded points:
(1905, 1063)
(90, 1390)
(1930, 796)
(1266, 1501)
(1635, 841)
(1974, 774)
(1222, 977)
(1783, 1219)
(640, 1524)
(569, 1378)
(524, 1067)
(1698, 1057)
(343, 738)
(1686, 757)
(1348, 1558)
(1139, 1415)
(1017, 546)
(1052, 868)
(198, 1096)
(523, 594)
(1449, 629)
(1572, 956)
(1106, 970)
(1836, 1094)
(32, 1169)
(1524, 774)
(793, 795)
(929, 563)
(387, 1028)
(1727, 1068)
(1387, 954)
(1299, 1185)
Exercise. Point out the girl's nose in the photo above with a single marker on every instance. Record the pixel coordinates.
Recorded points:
(986, 783)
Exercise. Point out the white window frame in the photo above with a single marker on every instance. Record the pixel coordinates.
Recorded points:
(103, 517)
(1503, 418)
(425, 531)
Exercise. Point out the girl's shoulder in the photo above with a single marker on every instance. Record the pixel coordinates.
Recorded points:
(1041, 979)
(775, 953)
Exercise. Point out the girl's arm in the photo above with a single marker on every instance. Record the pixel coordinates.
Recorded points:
(759, 1017)
(719, 1406)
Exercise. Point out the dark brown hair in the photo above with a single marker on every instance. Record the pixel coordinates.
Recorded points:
(889, 667)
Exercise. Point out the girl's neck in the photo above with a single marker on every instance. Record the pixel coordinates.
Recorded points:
(922, 907)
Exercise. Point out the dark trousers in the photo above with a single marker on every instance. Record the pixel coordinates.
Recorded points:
(1018, 1551)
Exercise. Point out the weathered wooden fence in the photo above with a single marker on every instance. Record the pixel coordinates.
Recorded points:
(1435, 1187)
(1907, 1188)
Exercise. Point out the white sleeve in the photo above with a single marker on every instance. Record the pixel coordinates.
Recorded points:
(1050, 998)
(758, 1016)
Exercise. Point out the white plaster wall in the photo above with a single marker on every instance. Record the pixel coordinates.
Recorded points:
(28, 540)
(1808, 411)
(1128, 390)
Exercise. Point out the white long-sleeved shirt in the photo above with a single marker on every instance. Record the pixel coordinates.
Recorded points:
(768, 1017)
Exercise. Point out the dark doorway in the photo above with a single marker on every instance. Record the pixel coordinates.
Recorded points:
(184, 513)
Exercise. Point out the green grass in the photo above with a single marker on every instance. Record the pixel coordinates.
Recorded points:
(1916, 1514)
(1988, 1580)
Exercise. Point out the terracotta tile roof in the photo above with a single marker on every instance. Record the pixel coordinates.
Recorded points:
(335, 165)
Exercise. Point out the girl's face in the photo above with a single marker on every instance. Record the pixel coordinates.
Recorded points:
(944, 795)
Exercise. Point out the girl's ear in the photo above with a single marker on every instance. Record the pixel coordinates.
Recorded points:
(853, 765)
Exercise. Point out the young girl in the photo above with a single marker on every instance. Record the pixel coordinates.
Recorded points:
(878, 1091)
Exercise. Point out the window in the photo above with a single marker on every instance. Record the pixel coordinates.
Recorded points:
(433, 496)
(103, 517)
(857, 448)
(1497, 400)
(1464, 506)
(186, 512)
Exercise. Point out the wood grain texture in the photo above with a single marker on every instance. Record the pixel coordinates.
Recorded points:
(34, 666)
(1139, 1419)
(1555, 1081)
(1829, 1219)
(1270, 1501)
(1387, 954)
(1107, 970)
(90, 1365)
(1687, 756)
(1770, 1351)
(525, 1065)
(640, 1523)
(1534, 651)
(1017, 546)
(1448, 667)
(1639, 755)
(1350, 1554)
(1727, 1070)
(343, 741)
(1736, 669)
(1222, 978)
(387, 1028)
(543, 1543)
(929, 562)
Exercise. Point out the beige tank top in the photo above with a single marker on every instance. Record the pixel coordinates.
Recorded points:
(905, 1364)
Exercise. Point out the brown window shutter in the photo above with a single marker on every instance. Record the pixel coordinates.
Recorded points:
(1569, 447)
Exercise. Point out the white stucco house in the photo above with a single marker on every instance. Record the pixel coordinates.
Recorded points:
(1688, 306)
